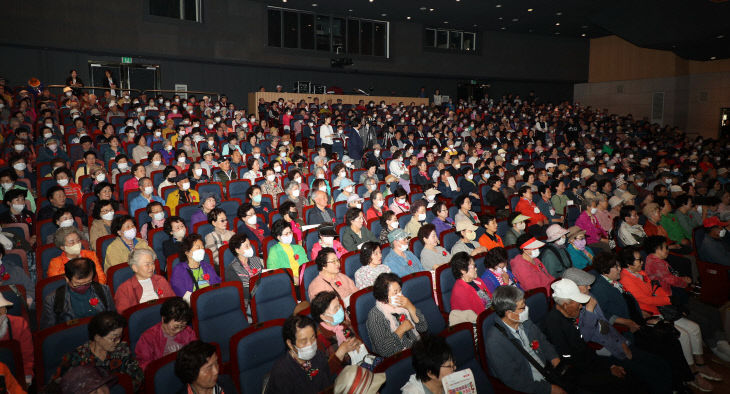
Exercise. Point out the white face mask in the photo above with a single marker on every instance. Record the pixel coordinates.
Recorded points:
(327, 242)
(7, 186)
(560, 241)
(198, 255)
(535, 253)
(62, 182)
(270, 178)
(149, 189)
(186, 186)
(19, 166)
(295, 192)
(421, 217)
(524, 315)
(251, 220)
(158, 216)
(403, 247)
(122, 166)
(181, 159)
(378, 203)
(66, 223)
(286, 239)
(722, 233)
(323, 189)
(108, 216)
(308, 352)
(593, 211)
(198, 171)
(20, 148)
(101, 177)
(277, 169)
(520, 226)
(131, 233)
(18, 208)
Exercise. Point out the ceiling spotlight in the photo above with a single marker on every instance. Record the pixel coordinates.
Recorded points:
(408, 17)
(350, 10)
(504, 28)
(557, 33)
(515, 19)
(720, 36)
(558, 13)
(430, 9)
(557, 23)
(584, 27)
(314, 4)
(500, 18)
(498, 5)
(283, 1)
(371, 1)
(383, 14)
(583, 35)
(475, 25)
(529, 10)
(713, 58)
(446, 22)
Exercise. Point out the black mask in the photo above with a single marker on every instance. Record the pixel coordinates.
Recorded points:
(293, 214)
(171, 180)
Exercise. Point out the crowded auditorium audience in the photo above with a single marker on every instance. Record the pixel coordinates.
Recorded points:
(127, 203)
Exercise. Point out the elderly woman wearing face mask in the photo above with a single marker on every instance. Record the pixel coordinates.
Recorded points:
(145, 285)
(295, 195)
(330, 278)
(394, 324)
(193, 271)
(554, 255)
(69, 240)
(335, 336)
(497, 274)
(327, 239)
(518, 223)
(118, 250)
(103, 213)
(580, 254)
(528, 269)
(376, 210)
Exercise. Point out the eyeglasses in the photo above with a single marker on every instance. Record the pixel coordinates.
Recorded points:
(450, 366)
(335, 261)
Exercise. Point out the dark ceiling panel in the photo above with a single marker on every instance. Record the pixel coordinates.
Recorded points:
(688, 27)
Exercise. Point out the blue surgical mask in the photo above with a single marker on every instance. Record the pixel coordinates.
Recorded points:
(256, 198)
(338, 317)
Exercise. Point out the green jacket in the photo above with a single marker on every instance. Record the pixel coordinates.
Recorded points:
(674, 229)
(278, 259)
(28, 195)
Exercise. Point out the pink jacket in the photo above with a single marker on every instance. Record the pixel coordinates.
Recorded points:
(531, 275)
(151, 345)
(594, 231)
(339, 249)
(464, 297)
(129, 292)
(21, 333)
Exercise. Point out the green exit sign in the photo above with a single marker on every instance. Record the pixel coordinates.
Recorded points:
(126, 60)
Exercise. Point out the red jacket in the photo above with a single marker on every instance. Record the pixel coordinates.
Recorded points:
(21, 333)
(658, 269)
(529, 208)
(464, 297)
(151, 345)
(129, 292)
(641, 289)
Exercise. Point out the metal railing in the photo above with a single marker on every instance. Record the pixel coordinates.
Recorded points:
(142, 91)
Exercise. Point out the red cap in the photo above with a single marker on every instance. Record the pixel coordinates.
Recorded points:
(713, 221)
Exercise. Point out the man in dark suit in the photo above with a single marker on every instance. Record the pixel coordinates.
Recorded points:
(320, 213)
(505, 361)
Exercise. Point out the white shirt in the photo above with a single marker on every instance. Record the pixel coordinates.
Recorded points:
(326, 133)
(148, 291)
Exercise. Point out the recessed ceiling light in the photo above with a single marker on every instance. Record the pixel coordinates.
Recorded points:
(371, 1)
(557, 23)
(314, 4)
(500, 18)
(430, 9)
(557, 33)
(558, 13)
(446, 22)
(584, 27)
(498, 5)
(283, 1)
(408, 17)
(383, 14)
(530, 30)
(515, 19)
(720, 36)
(583, 35)
(504, 28)
(713, 58)
(529, 10)
(475, 25)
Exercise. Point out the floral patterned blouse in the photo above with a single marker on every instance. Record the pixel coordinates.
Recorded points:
(118, 361)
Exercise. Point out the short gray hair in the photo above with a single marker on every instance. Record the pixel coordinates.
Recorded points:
(505, 299)
(290, 186)
(59, 238)
(560, 301)
(136, 255)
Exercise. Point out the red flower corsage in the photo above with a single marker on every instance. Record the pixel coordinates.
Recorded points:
(94, 301)
(535, 345)
(444, 253)
(410, 263)
(333, 220)
(6, 276)
(401, 318)
(266, 209)
(296, 257)
(159, 292)
(313, 373)
(338, 283)
(206, 277)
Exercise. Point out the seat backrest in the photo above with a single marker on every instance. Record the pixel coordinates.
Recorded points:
(140, 318)
(461, 341)
(253, 352)
(44, 287)
(19, 307)
(47, 229)
(351, 263)
(485, 322)
(157, 237)
(340, 210)
(47, 253)
(418, 287)
(698, 236)
(502, 227)
(444, 285)
(363, 301)
(210, 187)
(11, 355)
(403, 219)
(449, 238)
(219, 313)
(102, 243)
(480, 262)
(117, 275)
(512, 251)
(398, 369)
(273, 296)
(416, 246)
(186, 211)
(537, 300)
(231, 209)
(52, 343)
(307, 272)
(159, 376)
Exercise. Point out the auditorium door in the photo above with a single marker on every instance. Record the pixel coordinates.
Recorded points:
(128, 76)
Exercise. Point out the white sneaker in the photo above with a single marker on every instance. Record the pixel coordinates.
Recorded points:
(720, 354)
(723, 346)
